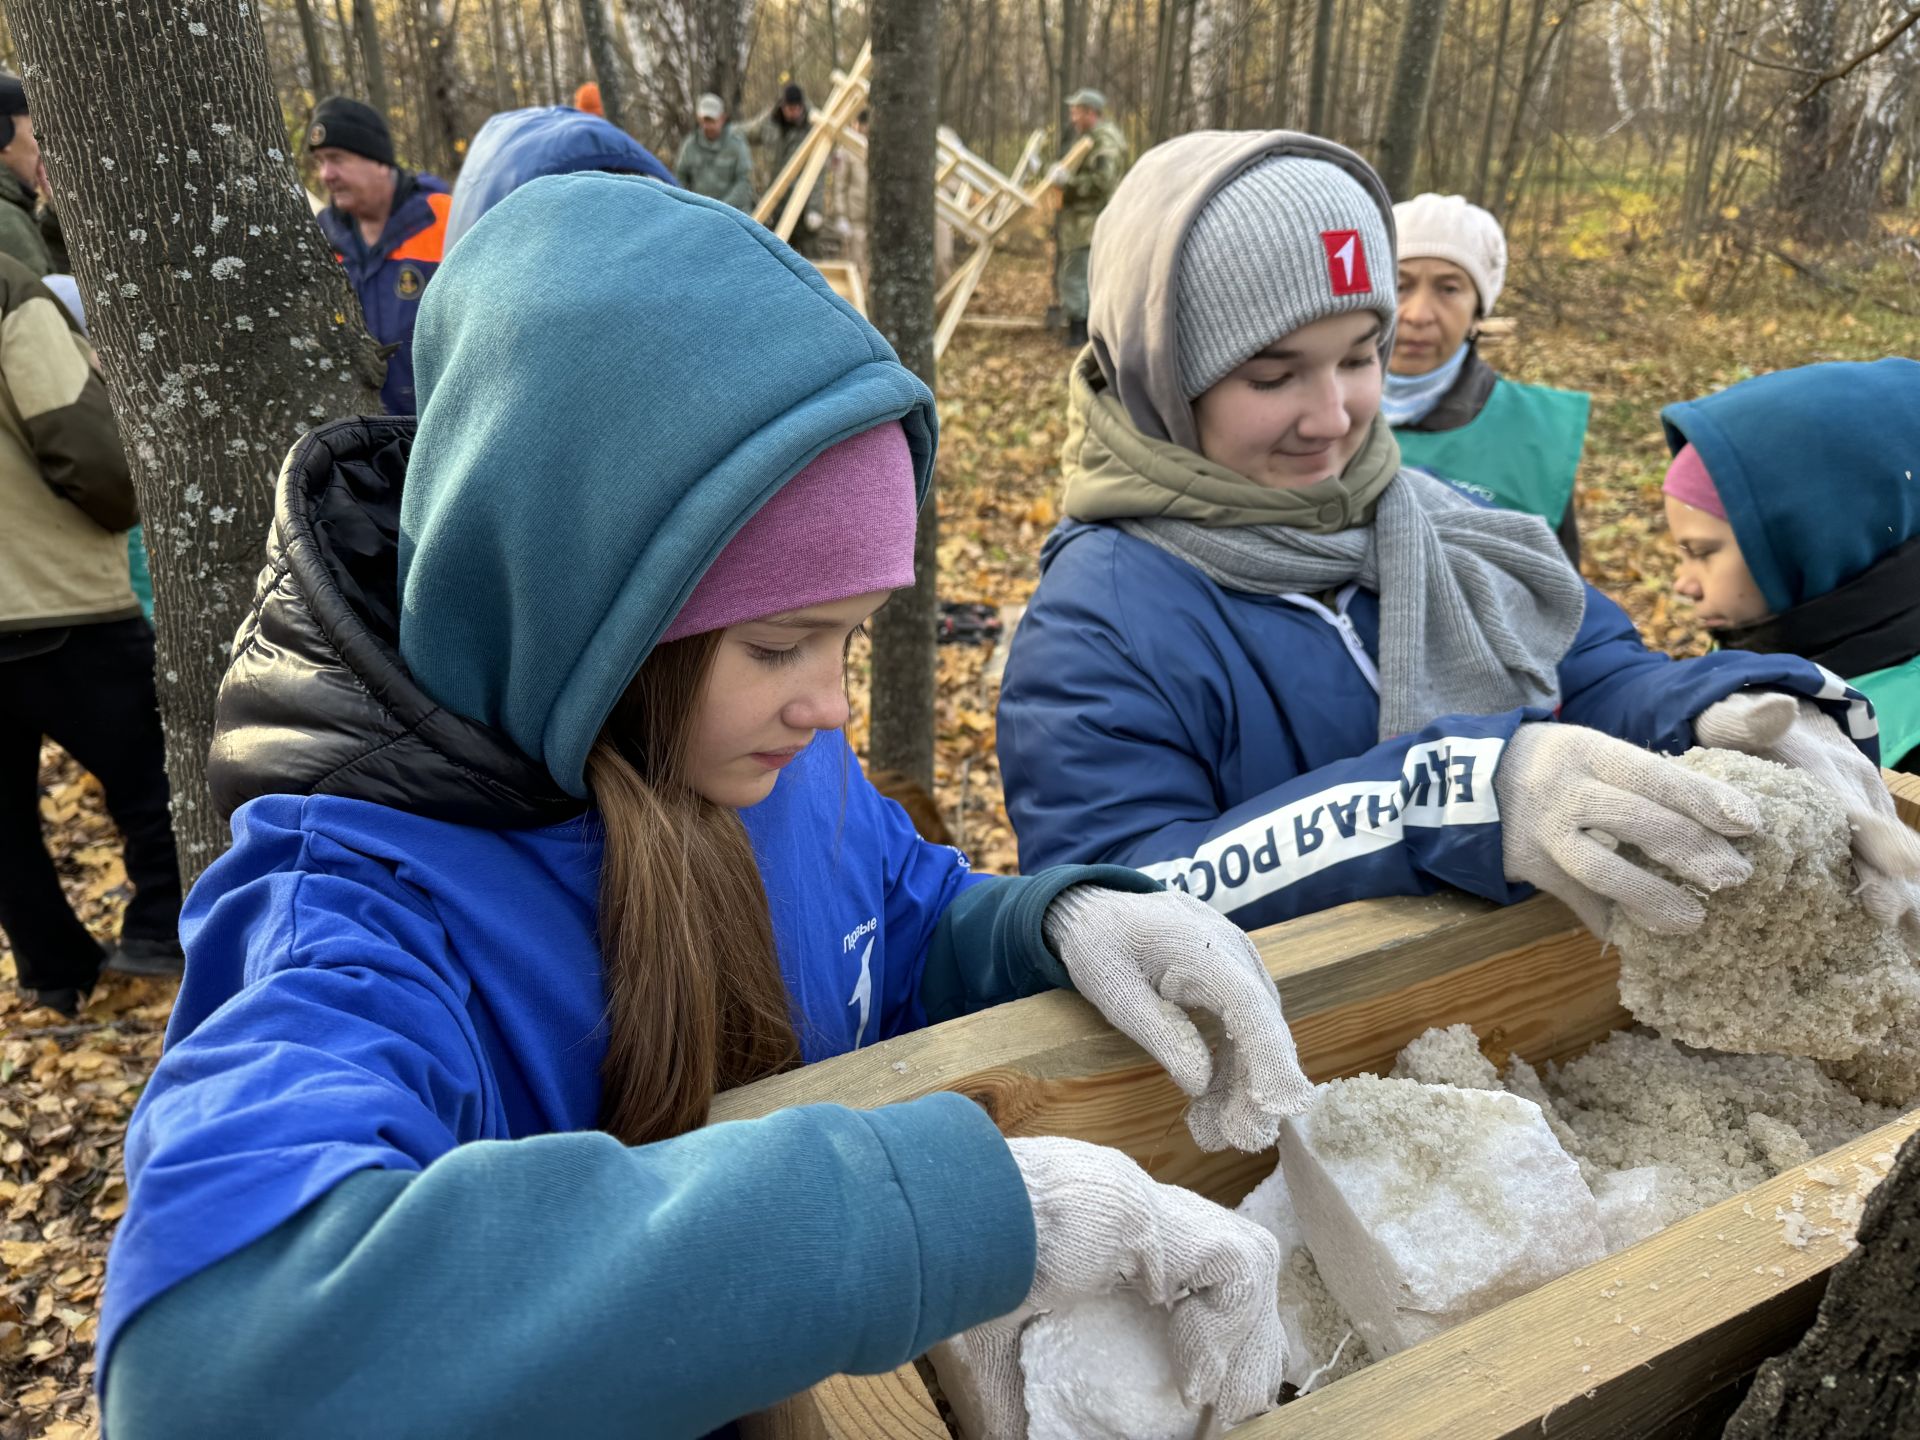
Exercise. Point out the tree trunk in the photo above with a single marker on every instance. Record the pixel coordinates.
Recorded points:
(1412, 84)
(350, 68)
(1282, 63)
(319, 81)
(1493, 106)
(367, 29)
(225, 327)
(606, 65)
(906, 35)
(1807, 146)
(1510, 155)
(497, 40)
(1322, 58)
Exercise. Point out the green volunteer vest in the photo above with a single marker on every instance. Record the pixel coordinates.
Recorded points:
(1520, 451)
(1895, 693)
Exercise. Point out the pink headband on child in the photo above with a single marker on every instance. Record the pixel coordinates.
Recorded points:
(1689, 483)
(843, 526)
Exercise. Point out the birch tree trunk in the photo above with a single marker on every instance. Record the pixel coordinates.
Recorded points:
(1412, 84)
(224, 325)
(906, 47)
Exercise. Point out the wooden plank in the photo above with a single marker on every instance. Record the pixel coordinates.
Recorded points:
(1906, 796)
(1697, 1306)
(846, 1407)
(969, 277)
(844, 277)
(853, 85)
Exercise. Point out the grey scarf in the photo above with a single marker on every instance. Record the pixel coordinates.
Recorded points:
(1477, 606)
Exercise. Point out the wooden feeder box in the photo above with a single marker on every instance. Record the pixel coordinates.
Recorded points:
(1701, 1303)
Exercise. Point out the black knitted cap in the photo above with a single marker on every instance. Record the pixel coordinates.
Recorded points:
(342, 123)
(13, 94)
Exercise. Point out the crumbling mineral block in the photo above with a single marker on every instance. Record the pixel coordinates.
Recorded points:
(1103, 1369)
(1629, 1205)
(1424, 1205)
(1447, 1057)
(1789, 962)
(1322, 1344)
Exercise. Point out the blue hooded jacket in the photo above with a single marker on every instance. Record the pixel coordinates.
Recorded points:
(1819, 471)
(390, 275)
(1225, 742)
(365, 1192)
(516, 146)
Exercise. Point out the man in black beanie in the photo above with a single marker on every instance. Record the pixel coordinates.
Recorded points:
(387, 225)
(20, 174)
(777, 133)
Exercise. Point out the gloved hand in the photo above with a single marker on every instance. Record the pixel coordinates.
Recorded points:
(1567, 793)
(1101, 1222)
(1059, 177)
(1793, 731)
(814, 220)
(1142, 960)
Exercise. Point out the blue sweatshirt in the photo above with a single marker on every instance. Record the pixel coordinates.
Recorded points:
(370, 993)
(364, 1195)
(1226, 742)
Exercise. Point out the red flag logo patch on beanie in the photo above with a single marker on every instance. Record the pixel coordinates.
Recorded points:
(1346, 262)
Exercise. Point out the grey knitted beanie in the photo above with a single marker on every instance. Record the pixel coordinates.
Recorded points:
(1287, 242)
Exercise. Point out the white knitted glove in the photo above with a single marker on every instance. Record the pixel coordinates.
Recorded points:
(1568, 793)
(1059, 177)
(1793, 731)
(1100, 1223)
(1142, 961)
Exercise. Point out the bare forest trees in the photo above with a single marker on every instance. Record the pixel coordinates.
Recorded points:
(905, 96)
(224, 325)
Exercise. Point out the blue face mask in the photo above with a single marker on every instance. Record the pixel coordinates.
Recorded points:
(1409, 399)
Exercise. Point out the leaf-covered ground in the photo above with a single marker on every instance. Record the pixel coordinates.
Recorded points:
(1598, 306)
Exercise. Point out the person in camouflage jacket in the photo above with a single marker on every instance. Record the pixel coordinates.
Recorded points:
(1083, 195)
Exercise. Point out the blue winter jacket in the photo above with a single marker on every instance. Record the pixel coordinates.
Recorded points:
(364, 1194)
(391, 274)
(516, 146)
(1227, 742)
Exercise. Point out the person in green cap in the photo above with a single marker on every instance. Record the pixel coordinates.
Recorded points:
(714, 159)
(1083, 195)
(1512, 445)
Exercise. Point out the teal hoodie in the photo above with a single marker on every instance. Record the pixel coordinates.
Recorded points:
(596, 423)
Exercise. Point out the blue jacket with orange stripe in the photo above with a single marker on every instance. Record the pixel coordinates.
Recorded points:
(390, 275)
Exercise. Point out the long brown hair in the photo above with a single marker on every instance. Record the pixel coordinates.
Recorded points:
(695, 1000)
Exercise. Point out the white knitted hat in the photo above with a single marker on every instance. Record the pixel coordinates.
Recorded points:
(1448, 227)
(1288, 241)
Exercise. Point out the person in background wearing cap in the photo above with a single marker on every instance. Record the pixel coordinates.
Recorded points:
(524, 871)
(776, 134)
(586, 99)
(1514, 445)
(714, 159)
(386, 224)
(1778, 556)
(21, 177)
(1269, 664)
(1084, 193)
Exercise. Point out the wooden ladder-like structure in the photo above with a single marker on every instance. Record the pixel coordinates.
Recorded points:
(970, 195)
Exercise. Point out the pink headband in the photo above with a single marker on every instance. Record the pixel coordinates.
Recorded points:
(843, 526)
(1689, 483)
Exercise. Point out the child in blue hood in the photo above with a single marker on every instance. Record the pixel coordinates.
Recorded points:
(544, 830)
(1793, 500)
(1269, 664)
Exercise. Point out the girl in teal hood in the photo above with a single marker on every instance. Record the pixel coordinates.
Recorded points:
(1794, 503)
(544, 831)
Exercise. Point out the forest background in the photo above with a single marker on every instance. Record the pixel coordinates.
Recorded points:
(1694, 190)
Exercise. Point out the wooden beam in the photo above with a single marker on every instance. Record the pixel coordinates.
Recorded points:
(895, 1405)
(1614, 1349)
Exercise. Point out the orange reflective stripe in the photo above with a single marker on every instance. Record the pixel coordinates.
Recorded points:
(428, 243)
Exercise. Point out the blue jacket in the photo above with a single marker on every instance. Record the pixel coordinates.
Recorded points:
(390, 275)
(516, 146)
(1226, 742)
(362, 1195)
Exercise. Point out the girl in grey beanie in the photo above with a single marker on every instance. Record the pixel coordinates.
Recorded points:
(1273, 666)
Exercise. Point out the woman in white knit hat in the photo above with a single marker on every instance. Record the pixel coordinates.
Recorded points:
(1515, 445)
(1276, 668)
